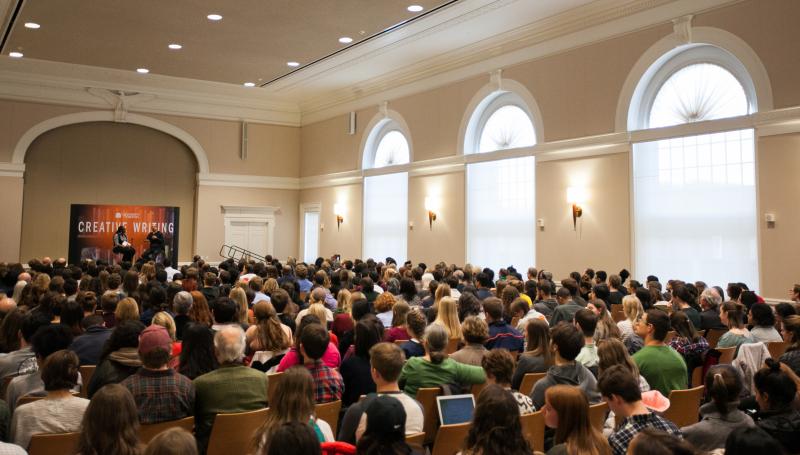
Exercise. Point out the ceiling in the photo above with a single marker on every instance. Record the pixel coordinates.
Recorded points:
(253, 42)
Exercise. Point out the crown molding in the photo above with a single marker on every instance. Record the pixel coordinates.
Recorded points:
(12, 170)
(69, 84)
(574, 28)
(248, 181)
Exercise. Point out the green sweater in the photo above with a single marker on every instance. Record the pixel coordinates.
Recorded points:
(419, 373)
(663, 368)
(233, 388)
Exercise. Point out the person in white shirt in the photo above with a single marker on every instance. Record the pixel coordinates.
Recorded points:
(586, 322)
(520, 309)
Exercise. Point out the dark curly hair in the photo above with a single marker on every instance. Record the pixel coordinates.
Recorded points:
(496, 426)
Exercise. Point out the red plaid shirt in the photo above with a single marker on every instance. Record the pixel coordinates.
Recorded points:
(328, 384)
(161, 395)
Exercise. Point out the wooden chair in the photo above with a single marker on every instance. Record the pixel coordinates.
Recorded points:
(149, 431)
(450, 439)
(427, 398)
(452, 345)
(48, 444)
(231, 433)
(528, 381)
(329, 412)
(597, 415)
(726, 354)
(272, 385)
(417, 439)
(713, 336)
(533, 429)
(684, 406)
(477, 389)
(399, 342)
(617, 314)
(697, 376)
(777, 348)
(87, 371)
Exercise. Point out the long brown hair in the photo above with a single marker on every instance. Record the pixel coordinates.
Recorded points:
(110, 424)
(199, 311)
(538, 337)
(293, 401)
(735, 313)
(574, 427)
(612, 351)
(496, 427)
(270, 334)
(604, 319)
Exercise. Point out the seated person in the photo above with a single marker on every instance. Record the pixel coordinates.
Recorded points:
(565, 344)
(22, 360)
(59, 411)
(586, 322)
(620, 389)
(435, 368)
(775, 392)
(501, 334)
(499, 366)
(536, 358)
(475, 332)
(331, 358)
(384, 428)
(120, 357)
(416, 322)
(662, 367)
(386, 360)
(161, 394)
(328, 383)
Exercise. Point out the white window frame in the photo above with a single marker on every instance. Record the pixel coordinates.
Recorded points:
(309, 207)
(484, 110)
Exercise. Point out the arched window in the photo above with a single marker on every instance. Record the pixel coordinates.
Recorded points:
(386, 195)
(501, 196)
(694, 196)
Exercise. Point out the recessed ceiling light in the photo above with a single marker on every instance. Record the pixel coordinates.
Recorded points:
(415, 8)
(142, 70)
(175, 46)
(345, 40)
(15, 54)
(214, 17)
(249, 84)
(293, 64)
(32, 25)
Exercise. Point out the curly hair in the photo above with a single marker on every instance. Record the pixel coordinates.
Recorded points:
(496, 426)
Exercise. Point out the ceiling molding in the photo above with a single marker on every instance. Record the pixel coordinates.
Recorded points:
(12, 170)
(68, 84)
(578, 27)
(248, 181)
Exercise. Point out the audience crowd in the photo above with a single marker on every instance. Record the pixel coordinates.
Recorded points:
(166, 343)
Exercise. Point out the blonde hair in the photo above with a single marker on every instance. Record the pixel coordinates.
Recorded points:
(127, 310)
(344, 303)
(318, 310)
(163, 319)
(447, 316)
(239, 296)
(632, 308)
(270, 286)
(443, 290)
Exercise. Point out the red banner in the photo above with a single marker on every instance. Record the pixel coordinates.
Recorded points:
(92, 229)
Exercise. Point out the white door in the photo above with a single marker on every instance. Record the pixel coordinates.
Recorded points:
(311, 237)
(248, 235)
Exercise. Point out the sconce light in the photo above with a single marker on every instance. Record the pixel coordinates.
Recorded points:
(337, 210)
(431, 207)
(576, 196)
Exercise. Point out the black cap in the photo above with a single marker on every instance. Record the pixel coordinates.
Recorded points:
(386, 415)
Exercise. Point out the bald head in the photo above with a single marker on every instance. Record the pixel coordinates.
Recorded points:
(24, 276)
(47, 260)
(7, 305)
(318, 295)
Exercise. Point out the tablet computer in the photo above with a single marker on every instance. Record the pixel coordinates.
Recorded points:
(455, 409)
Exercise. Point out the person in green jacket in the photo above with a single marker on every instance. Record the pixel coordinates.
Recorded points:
(435, 368)
(232, 387)
(662, 366)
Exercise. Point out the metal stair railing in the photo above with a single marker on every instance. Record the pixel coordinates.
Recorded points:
(238, 253)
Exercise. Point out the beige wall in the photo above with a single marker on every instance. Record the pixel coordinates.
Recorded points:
(11, 203)
(602, 238)
(778, 161)
(211, 225)
(347, 239)
(102, 163)
(446, 241)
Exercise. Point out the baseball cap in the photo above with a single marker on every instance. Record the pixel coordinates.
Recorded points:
(154, 337)
(386, 415)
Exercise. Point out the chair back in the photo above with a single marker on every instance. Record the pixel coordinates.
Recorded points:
(528, 381)
(726, 354)
(684, 406)
(597, 415)
(427, 398)
(697, 376)
(416, 440)
(777, 348)
(617, 314)
(533, 429)
(149, 431)
(450, 439)
(48, 444)
(87, 371)
(713, 336)
(272, 385)
(329, 412)
(477, 389)
(232, 432)
(399, 342)
(28, 399)
(452, 345)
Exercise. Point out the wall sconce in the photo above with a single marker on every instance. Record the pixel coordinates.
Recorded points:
(576, 196)
(337, 210)
(431, 207)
